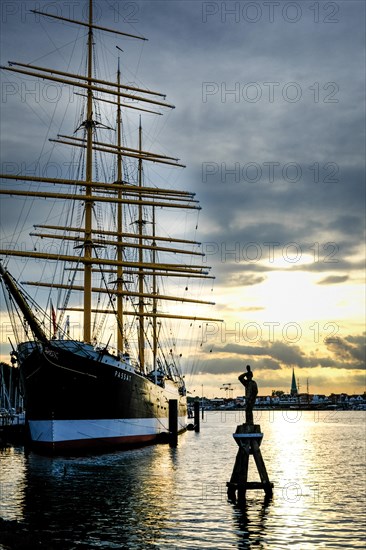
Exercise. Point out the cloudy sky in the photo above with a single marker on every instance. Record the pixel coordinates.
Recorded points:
(270, 120)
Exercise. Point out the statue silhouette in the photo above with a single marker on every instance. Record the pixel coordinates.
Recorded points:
(251, 392)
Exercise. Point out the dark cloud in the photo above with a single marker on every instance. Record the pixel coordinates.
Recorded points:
(288, 354)
(231, 365)
(324, 140)
(245, 280)
(348, 351)
(333, 280)
(276, 353)
(350, 224)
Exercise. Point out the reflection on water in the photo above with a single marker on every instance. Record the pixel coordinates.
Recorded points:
(12, 482)
(158, 497)
(250, 518)
(115, 499)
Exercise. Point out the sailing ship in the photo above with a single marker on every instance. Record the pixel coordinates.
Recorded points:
(80, 392)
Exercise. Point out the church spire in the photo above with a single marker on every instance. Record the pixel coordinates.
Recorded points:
(293, 384)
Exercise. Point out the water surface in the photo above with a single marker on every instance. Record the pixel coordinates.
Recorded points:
(159, 497)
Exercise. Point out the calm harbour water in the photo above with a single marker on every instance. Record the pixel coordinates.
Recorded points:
(159, 497)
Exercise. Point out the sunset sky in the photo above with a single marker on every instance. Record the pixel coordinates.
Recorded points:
(270, 121)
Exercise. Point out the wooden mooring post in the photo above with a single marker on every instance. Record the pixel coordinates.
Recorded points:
(248, 437)
(196, 408)
(173, 422)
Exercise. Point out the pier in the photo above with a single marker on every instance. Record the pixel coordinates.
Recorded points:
(12, 429)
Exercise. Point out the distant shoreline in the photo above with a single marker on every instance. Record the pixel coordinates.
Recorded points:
(292, 407)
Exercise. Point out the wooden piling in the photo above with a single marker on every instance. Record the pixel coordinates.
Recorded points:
(173, 422)
(249, 438)
(196, 407)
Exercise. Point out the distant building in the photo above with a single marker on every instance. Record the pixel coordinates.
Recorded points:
(293, 384)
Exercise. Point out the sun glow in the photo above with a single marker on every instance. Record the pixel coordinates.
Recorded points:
(286, 297)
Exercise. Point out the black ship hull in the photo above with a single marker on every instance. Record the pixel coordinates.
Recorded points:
(78, 397)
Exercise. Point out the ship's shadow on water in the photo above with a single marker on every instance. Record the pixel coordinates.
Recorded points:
(250, 518)
(117, 500)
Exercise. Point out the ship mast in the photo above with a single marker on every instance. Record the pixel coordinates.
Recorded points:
(120, 193)
(120, 335)
(140, 224)
(88, 245)
(154, 293)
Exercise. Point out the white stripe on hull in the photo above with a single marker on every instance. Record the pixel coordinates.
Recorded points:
(58, 431)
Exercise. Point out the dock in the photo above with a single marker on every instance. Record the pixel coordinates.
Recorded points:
(12, 429)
